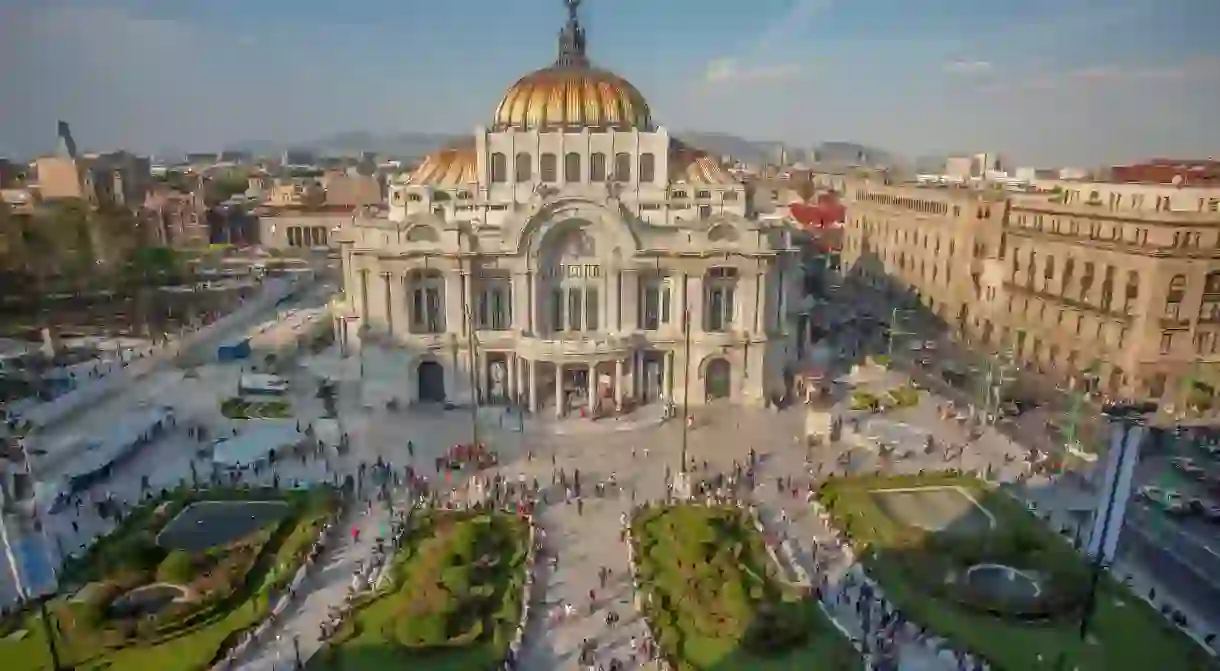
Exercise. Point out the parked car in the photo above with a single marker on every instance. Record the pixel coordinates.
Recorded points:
(1210, 450)
(1211, 513)
(1175, 504)
(1151, 494)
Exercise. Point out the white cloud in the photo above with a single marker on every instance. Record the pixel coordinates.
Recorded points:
(779, 35)
(968, 68)
(1104, 75)
(724, 70)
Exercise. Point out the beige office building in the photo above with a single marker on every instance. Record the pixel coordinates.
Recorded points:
(567, 256)
(1126, 276)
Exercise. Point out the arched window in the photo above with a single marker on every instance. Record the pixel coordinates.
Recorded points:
(571, 167)
(622, 167)
(548, 166)
(523, 167)
(597, 167)
(499, 168)
(648, 167)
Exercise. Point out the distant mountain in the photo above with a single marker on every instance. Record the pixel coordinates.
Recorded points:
(413, 146)
(839, 153)
(405, 146)
(851, 153)
(723, 144)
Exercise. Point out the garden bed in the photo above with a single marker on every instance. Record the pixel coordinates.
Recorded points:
(938, 546)
(131, 603)
(453, 604)
(714, 601)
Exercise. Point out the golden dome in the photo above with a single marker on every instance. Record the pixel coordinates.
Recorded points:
(449, 167)
(566, 97)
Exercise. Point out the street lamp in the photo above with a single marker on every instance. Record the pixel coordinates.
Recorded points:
(23, 593)
(1076, 405)
(889, 347)
(681, 485)
(474, 376)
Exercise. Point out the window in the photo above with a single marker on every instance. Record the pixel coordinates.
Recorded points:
(557, 309)
(719, 301)
(548, 166)
(591, 309)
(648, 167)
(703, 194)
(1166, 342)
(499, 168)
(425, 313)
(597, 167)
(523, 167)
(705, 211)
(493, 307)
(574, 313)
(571, 167)
(622, 167)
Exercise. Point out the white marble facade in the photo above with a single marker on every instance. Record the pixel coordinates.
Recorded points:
(564, 267)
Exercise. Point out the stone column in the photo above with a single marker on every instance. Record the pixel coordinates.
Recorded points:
(521, 302)
(468, 301)
(695, 300)
(628, 299)
(453, 301)
(614, 302)
(532, 288)
(667, 368)
(559, 390)
(532, 385)
(510, 377)
(591, 384)
(397, 317)
(618, 385)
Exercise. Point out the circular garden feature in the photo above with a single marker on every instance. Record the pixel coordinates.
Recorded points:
(145, 600)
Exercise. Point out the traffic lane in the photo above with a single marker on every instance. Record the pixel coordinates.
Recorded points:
(1189, 547)
(1195, 591)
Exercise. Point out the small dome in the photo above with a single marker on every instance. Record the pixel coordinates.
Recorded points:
(571, 98)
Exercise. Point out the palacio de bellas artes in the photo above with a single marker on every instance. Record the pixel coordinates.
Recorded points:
(572, 257)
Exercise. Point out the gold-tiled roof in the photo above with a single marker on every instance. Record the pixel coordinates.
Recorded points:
(695, 166)
(572, 97)
(452, 166)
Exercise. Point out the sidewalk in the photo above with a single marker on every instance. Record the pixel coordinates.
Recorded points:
(814, 546)
(584, 543)
(325, 587)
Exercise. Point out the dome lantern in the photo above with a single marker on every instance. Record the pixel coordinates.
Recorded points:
(572, 95)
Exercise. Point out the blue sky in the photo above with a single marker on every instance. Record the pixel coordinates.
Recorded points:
(1069, 81)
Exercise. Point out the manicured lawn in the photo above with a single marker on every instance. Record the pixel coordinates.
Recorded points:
(235, 594)
(454, 604)
(717, 605)
(909, 562)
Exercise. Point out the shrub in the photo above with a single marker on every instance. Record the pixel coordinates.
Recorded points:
(177, 568)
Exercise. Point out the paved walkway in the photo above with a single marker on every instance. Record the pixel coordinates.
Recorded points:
(585, 542)
(793, 518)
(326, 587)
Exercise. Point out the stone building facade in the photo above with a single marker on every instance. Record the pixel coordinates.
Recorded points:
(1123, 284)
(572, 256)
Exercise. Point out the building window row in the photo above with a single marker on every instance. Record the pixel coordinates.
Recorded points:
(573, 169)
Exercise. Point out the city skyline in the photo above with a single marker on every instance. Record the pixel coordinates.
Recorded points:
(1077, 82)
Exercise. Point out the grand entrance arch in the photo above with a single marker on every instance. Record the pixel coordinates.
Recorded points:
(431, 378)
(717, 380)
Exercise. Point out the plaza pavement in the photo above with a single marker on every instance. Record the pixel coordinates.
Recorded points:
(585, 542)
(325, 587)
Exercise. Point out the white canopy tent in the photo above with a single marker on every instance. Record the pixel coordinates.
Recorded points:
(255, 443)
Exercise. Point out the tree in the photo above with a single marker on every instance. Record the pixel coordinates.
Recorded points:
(223, 187)
(154, 263)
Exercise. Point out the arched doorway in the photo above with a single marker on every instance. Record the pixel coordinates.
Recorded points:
(431, 377)
(717, 379)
